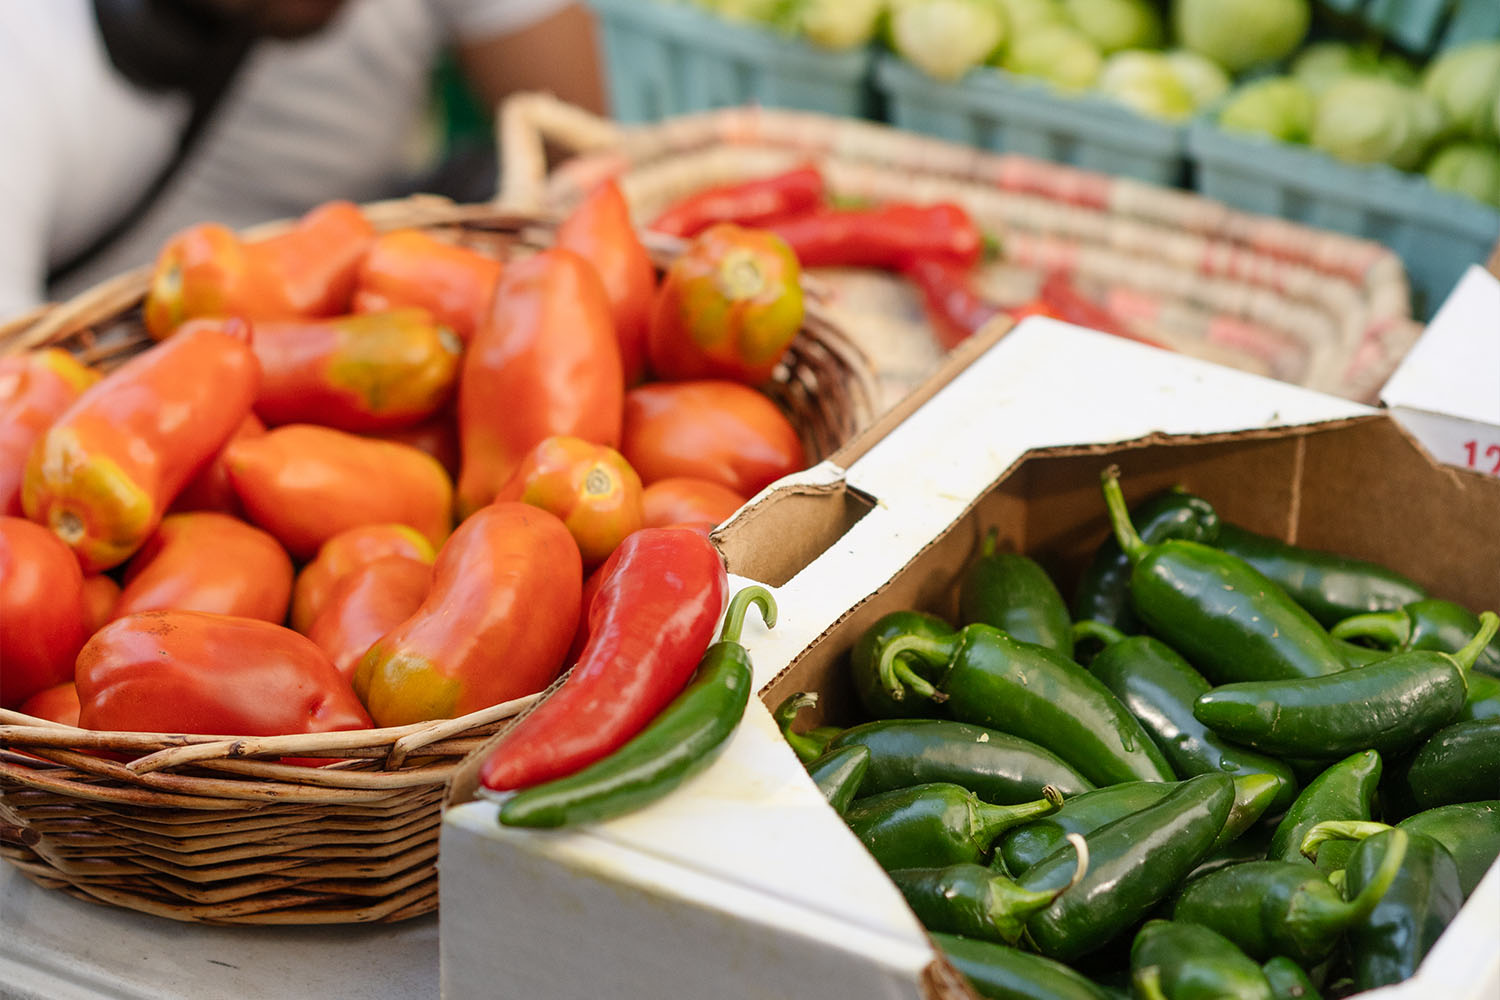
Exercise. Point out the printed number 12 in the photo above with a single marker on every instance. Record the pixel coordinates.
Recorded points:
(1492, 451)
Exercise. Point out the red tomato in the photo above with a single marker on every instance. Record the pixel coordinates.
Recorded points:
(365, 605)
(211, 488)
(684, 500)
(35, 388)
(58, 703)
(204, 561)
(343, 554)
(600, 231)
(41, 610)
(100, 595)
(590, 486)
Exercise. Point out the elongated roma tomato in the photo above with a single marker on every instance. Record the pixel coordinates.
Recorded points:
(105, 471)
(685, 500)
(495, 625)
(408, 267)
(42, 621)
(590, 486)
(195, 672)
(365, 605)
(546, 362)
(58, 703)
(721, 431)
(204, 561)
(211, 488)
(35, 388)
(100, 595)
(345, 553)
(600, 231)
(304, 484)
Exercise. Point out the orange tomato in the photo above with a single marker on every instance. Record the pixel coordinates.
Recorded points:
(346, 552)
(685, 500)
(41, 610)
(205, 561)
(58, 703)
(590, 486)
(211, 488)
(365, 605)
(408, 267)
(100, 595)
(35, 388)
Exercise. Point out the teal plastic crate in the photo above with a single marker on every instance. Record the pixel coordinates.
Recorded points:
(1001, 111)
(1423, 27)
(1436, 234)
(666, 59)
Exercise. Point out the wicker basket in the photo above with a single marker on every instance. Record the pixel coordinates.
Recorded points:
(1308, 306)
(202, 827)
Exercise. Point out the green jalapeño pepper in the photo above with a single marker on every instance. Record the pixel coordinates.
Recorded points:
(1430, 624)
(974, 901)
(1345, 791)
(864, 664)
(1159, 687)
(1223, 615)
(1388, 945)
(999, 972)
(1134, 863)
(1470, 831)
(1483, 701)
(936, 824)
(808, 746)
(682, 740)
(1014, 594)
(1289, 981)
(1389, 706)
(1176, 961)
(991, 679)
(839, 774)
(1459, 763)
(1103, 593)
(1330, 587)
(1280, 908)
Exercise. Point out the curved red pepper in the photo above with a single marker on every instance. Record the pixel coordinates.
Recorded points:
(749, 203)
(885, 237)
(660, 597)
(954, 308)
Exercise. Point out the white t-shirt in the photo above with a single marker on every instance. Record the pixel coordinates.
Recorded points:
(330, 116)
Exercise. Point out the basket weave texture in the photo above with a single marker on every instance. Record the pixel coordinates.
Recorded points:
(1304, 305)
(215, 828)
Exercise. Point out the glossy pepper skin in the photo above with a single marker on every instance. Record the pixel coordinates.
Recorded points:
(1013, 593)
(1483, 699)
(990, 679)
(1103, 593)
(1170, 960)
(974, 901)
(305, 484)
(369, 372)
(346, 552)
(212, 562)
(589, 486)
(728, 308)
(956, 310)
(864, 665)
(937, 824)
(494, 626)
(1134, 863)
(839, 775)
(42, 624)
(103, 474)
(411, 268)
(365, 605)
(1430, 624)
(1459, 763)
(682, 740)
(650, 622)
(545, 362)
(1288, 981)
(600, 231)
(884, 237)
(35, 388)
(749, 203)
(1217, 611)
(1344, 791)
(710, 429)
(1389, 706)
(1000, 972)
(1330, 587)
(1387, 945)
(1159, 688)
(1273, 908)
(995, 766)
(1469, 831)
(685, 500)
(189, 671)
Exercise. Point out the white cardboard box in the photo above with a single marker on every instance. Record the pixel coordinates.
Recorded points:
(742, 884)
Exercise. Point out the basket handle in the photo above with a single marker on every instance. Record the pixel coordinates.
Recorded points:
(525, 123)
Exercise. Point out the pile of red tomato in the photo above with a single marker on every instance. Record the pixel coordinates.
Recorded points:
(369, 479)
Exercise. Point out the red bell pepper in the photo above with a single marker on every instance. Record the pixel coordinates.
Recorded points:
(748, 203)
(661, 594)
(885, 237)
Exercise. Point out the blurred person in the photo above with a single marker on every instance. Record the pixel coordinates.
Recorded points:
(128, 120)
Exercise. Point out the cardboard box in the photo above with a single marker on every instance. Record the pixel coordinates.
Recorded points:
(1446, 390)
(742, 883)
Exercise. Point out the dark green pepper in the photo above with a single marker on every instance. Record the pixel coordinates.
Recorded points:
(1483, 701)
(1330, 587)
(1387, 946)
(1103, 593)
(996, 766)
(991, 679)
(682, 740)
(1281, 908)
(1013, 593)
(1470, 831)
(999, 972)
(808, 746)
(1134, 863)
(976, 902)
(1216, 610)
(1177, 961)
(936, 824)
(1459, 763)
(1344, 791)
(839, 775)
(1289, 981)
(1430, 624)
(1389, 706)
(864, 664)
(1159, 687)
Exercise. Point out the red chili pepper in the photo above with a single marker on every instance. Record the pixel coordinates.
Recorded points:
(749, 203)
(1063, 301)
(954, 308)
(661, 594)
(885, 237)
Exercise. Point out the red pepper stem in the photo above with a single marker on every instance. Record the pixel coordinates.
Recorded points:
(1131, 543)
(1352, 829)
(1091, 629)
(1390, 629)
(896, 676)
(1489, 624)
(734, 618)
